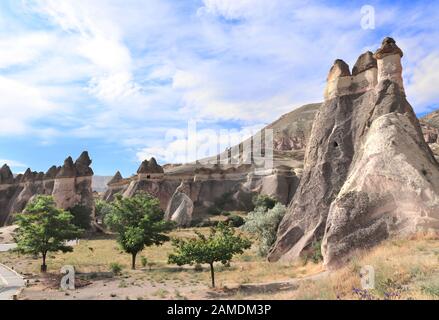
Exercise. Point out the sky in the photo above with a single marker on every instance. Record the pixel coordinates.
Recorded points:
(124, 79)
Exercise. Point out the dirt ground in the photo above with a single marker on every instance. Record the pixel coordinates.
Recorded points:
(156, 280)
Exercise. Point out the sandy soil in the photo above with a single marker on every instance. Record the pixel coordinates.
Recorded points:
(117, 289)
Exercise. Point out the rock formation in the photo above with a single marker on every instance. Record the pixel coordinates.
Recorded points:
(69, 185)
(430, 128)
(368, 173)
(187, 192)
(180, 206)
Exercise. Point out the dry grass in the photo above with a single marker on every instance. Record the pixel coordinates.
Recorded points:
(404, 269)
(96, 255)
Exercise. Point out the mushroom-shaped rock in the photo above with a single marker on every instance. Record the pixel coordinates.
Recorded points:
(51, 173)
(150, 166)
(339, 69)
(388, 47)
(68, 170)
(82, 165)
(364, 62)
(29, 176)
(116, 178)
(6, 176)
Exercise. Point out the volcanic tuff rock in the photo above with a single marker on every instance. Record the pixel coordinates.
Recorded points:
(69, 185)
(368, 172)
(430, 128)
(180, 206)
(229, 179)
(150, 166)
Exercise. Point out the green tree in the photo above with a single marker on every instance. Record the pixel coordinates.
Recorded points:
(44, 228)
(263, 223)
(264, 201)
(81, 216)
(138, 222)
(219, 246)
(102, 208)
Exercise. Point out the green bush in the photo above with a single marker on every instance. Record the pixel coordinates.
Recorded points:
(235, 221)
(116, 268)
(316, 252)
(263, 223)
(214, 210)
(264, 201)
(143, 261)
(223, 200)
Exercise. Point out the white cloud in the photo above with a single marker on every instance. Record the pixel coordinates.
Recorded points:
(235, 9)
(425, 78)
(98, 41)
(12, 163)
(22, 49)
(20, 104)
(183, 146)
(126, 71)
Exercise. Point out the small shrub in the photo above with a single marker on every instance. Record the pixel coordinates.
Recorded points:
(316, 253)
(263, 223)
(431, 289)
(264, 201)
(235, 221)
(214, 210)
(143, 261)
(116, 268)
(198, 267)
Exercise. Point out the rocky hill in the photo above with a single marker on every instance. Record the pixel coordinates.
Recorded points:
(228, 180)
(69, 184)
(369, 173)
(430, 128)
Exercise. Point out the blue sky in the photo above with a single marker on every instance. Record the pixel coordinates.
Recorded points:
(122, 79)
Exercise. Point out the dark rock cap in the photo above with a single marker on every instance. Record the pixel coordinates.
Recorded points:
(150, 166)
(68, 170)
(6, 176)
(116, 178)
(388, 47)
(364, 62)
(339, 69)
(29, 176)
(82, 165)
(52, 172)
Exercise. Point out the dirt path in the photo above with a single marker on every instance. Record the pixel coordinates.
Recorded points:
(10, 282)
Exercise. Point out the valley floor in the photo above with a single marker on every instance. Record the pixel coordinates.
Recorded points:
(404, 269)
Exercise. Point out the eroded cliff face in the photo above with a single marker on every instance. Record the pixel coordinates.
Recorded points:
(368, 171)
(69, 184)
(188, 192)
